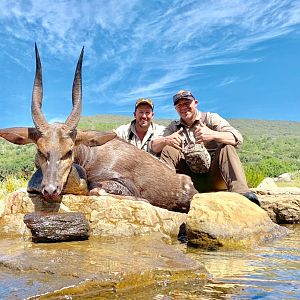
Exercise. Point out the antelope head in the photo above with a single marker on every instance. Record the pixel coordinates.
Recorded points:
(55, 142)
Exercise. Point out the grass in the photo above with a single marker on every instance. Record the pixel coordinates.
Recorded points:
(288, 184)
(270, 148)
(295, 182)
(10, 184)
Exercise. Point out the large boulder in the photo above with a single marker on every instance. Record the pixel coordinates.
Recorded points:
(229, 220)
(108, 215)
(214, 218)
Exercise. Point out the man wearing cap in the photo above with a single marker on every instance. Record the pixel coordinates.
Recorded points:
(142, 131)
(223, 169)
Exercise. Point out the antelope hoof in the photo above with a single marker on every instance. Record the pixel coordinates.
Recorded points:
(97, 192)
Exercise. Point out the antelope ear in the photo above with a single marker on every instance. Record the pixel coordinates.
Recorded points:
(20, 135)
(93, 138)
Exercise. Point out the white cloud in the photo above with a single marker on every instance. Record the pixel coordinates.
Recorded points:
(227, 81)
(169, 40)
(191, 35)
(57, 120)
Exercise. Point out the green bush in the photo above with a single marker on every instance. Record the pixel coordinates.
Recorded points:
(12, 183)
(274, 166)
(254, 175)
(269, 167)
(16, 160)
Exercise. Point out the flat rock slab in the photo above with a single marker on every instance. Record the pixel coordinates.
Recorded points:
(57, 227)
(282, 209)
(281, 203)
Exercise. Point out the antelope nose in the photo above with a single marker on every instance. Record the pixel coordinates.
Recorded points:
(50, 189)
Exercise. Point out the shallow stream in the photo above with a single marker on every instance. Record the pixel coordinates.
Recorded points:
(271, 271)
(148, 268)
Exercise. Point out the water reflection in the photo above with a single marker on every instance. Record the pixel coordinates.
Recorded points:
(93, 268)
(268, 272)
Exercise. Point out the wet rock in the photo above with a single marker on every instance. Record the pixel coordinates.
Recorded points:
(111, 215)
(97, 268)
(228, 220)
(57, 227)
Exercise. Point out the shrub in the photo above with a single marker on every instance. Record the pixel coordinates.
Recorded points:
(273, 167)
(254, 175)
(16, 160)
(10, 184)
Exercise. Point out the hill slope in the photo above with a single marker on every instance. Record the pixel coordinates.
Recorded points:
(249, 127)
(270, 147)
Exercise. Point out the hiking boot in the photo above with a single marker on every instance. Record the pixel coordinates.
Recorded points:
(252, 197)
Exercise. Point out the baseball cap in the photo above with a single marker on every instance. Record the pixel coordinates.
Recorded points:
(144, 101)
(183, 94)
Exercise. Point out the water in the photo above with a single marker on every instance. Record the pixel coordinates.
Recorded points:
(270, 271)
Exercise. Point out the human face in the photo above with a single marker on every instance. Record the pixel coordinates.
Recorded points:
(187, 110)
(143, 116)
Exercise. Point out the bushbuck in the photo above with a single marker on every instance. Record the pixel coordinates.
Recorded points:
(90, 162)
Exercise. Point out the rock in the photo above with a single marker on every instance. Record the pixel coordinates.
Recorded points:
(281, 203)
(97, 268)
(228, 220)
(108, 215)
(2, 207)
(285, 177)
(282, 208)
(57, 227)
(267, 184)
(111, 215)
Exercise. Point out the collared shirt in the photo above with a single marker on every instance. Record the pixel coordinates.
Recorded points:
(128, 133)
(213, 121)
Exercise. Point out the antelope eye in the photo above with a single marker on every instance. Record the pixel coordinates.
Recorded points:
(40, 154)
(67, 155)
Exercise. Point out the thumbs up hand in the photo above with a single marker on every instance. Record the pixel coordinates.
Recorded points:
(175, 139)
(203, 133)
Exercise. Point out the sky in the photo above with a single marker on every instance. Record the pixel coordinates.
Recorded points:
(239, 58)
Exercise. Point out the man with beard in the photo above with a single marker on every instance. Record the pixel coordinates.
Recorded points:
(142, 131)
(215, 164)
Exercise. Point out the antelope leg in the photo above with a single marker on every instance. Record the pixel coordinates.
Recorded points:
(110, 187)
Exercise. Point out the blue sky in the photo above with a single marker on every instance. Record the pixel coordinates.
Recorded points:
(239, 58)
